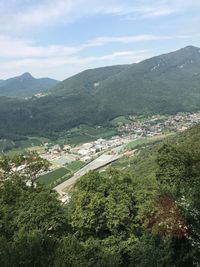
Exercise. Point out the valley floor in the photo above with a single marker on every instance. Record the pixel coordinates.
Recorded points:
(82, 149)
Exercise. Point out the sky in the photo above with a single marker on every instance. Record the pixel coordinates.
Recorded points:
(59, 38)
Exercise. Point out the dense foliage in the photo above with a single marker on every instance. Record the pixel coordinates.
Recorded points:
(146, 215)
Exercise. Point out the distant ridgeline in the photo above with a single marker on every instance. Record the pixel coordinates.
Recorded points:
(165, 84)
(25, 86)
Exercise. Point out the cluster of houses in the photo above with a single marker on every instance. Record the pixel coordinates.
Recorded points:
(159, 124)
(60, 155)
(141, 128)
(89, 150)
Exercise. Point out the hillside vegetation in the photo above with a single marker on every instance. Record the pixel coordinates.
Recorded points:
(165, 84)
(146, 215)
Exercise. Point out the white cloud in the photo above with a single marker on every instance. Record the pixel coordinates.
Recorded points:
(21, 15)
(50, 12)
(126, 39)
(46, 12)
(18, 48)
(149, 12)
(12, 47)
(61, 61)
(60, 68)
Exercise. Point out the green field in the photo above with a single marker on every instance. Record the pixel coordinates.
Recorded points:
(120, 121)
(84, 133)
(134, 144)
(75, 136)
(13, 152)
(12, 148)
(60, 175)
(75, 165)
(53, 176)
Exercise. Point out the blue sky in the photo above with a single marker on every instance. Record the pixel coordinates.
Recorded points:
(59, 38)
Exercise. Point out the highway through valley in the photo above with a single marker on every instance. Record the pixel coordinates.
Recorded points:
(96, 164)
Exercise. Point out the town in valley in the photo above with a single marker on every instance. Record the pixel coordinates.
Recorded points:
(130, 131)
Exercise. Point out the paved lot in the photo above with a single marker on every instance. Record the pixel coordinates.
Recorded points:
(68, 158)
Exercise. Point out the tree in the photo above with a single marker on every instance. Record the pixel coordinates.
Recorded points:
(41, 210)
(32, 248)
(103, 210)
(27, 166)
(103, 205)
(31, 217)
(70, 253)
(179, 177)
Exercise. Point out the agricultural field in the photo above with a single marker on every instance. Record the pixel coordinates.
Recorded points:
(84, 133)
(75, 165)
(135, 144)
(60, 175)
(12, 148)
(53, 176)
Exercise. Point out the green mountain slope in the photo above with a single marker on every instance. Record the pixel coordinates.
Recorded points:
(25, 86)
(88, 80)
(164, 84)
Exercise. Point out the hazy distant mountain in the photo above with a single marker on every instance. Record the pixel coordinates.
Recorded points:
(168, 84)
(25, 86)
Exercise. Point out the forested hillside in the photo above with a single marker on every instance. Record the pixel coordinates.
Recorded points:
(146, 215)
(166, 84)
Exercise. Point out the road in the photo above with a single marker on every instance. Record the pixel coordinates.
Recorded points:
(96, 164)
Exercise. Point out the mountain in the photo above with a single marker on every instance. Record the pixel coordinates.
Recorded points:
(165, 84)
(25, 86)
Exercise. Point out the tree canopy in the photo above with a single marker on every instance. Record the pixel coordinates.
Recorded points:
(145, 215)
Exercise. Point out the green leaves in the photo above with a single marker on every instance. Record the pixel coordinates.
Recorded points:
(41, 210)
(102, 206)
(148, 215)
(31, 217)
(27, 167)
(32, 248)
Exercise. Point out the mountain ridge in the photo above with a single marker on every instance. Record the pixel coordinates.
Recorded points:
(25, 85)
(164, 84)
